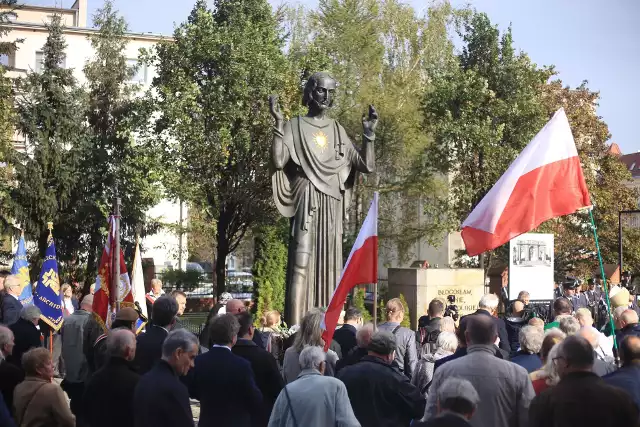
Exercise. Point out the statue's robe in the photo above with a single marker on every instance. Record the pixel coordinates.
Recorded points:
(314, 189)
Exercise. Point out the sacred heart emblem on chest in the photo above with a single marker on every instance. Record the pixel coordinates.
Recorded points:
(320, 138)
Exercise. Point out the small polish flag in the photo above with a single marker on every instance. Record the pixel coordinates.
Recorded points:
(545, 181)
(361, 269)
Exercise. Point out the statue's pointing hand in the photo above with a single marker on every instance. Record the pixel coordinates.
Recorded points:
(370, 123)
(275, 108)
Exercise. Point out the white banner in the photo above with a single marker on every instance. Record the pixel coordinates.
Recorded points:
(531, 266)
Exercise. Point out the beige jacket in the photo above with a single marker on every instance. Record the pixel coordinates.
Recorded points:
(40, 403)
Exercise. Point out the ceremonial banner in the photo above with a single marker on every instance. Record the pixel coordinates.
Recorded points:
(545, 181)
(361, 268)
(20, 268)
(48, 298)
(102, 308)
(137, 287)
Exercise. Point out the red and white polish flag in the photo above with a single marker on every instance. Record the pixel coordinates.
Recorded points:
(361, 268)
(545, 181)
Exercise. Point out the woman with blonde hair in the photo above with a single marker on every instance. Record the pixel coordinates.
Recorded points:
(309, 334)
(69, 302)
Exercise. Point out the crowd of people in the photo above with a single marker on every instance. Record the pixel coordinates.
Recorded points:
(484, 371)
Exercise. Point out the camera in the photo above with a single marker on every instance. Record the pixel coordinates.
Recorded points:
(452, 309)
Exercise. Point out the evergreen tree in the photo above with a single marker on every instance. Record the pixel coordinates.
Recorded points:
(382, 312)
(110, 158)
(359, 295)
(213, 125)
(270, 267)
(50, 114)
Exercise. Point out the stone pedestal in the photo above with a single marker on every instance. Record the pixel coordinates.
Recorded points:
(420, 286)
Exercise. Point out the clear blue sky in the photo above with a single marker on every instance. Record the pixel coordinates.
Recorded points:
(594, 40)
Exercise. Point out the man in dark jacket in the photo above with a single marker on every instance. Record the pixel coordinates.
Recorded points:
(581, 398)
(488, 306)
(11, 306)
(514, 324)
(224, 383)
(429, 327)
(264, 365)
(25, 333)
(160, 398)
(346, 335)
(627, 325)
(627, 378)
(379, 394)
(10, 374)
(363, 338)
(149, 347)
(108, 398)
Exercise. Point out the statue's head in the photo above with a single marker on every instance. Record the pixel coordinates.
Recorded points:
(318, 92)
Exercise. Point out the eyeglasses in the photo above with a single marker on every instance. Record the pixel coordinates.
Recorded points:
(555, 359)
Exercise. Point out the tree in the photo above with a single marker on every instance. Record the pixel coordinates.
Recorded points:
(481, 113)
(270, 267)
(406, 320)
(7, 112)
(213, 123)
(50, 114)
(382, 53)
(606, 177)
(111, 160)
(359, 303)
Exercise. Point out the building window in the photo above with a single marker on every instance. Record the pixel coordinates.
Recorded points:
(140, 75)
(40, 62)
(8, 59)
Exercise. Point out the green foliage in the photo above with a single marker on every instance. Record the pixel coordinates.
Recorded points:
(182, 280)
(481, 113)
(112, 162)
(382, 315)
(406, 320)
(50, 114)
(270, 267)
(358, 302)
(213, 125)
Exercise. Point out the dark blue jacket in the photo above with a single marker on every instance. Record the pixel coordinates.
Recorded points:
(513, 326)
(11, 308)
(346, 337)
(149, 348)
(500, 326)
(226, 388)
(530, 362)
(633, 329)
(6, 420)
(628, 379)
(161, 400)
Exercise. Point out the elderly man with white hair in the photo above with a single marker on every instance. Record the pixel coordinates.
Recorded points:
(488, 306)
(10, 375)
(446, 345)
(11, 305)
(604, 349)
(313, 399)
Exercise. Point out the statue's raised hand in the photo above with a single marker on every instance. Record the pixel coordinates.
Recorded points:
(370, 123)
(275, 108)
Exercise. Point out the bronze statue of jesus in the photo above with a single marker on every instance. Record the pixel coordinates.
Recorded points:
(315, 164)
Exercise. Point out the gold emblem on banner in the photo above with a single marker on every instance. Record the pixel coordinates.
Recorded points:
(51, 280)
(320, 138)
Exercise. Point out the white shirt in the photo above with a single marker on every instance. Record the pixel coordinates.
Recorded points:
(68, 305)
(221, 346)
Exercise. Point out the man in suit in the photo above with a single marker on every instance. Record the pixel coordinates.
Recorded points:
(627, 378)
(160, 398)
(11, 306)
(346, 335)
(149, 346)
(113, 385)
(236, 306)
(264, 365)
(488, 306)
(224, 383)
(10, 374)
(26, 334)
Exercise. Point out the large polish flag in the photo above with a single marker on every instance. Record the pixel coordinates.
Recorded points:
(361, 269)
(545, 181)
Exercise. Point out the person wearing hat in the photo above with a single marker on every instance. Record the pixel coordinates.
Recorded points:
(457, 402)
(571, 293)
(126, 318)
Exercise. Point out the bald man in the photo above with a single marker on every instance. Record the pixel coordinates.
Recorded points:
(628, 377)
(600, 367)
(235, 306)
(513, 324)
(627, 325)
